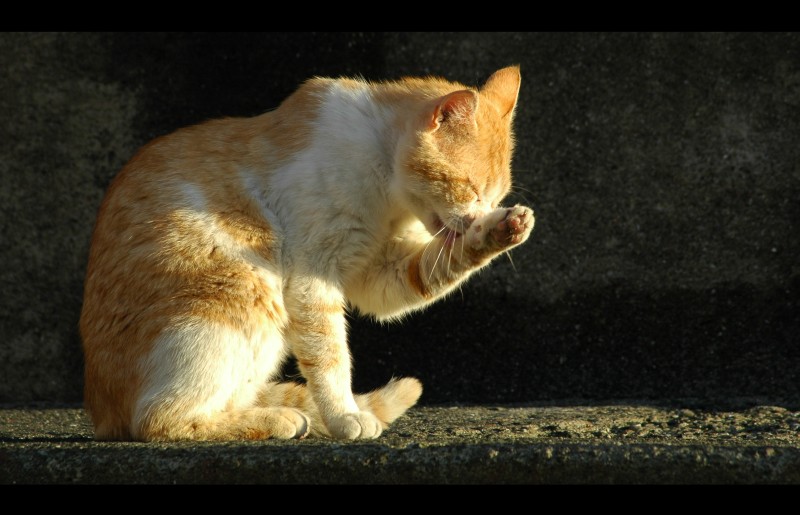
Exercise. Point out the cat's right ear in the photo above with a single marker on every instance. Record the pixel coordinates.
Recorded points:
(503, 87)
(457, 107)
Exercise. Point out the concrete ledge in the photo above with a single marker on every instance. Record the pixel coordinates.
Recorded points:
(620, 443)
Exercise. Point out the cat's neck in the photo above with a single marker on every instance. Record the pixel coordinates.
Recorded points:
(340, 181)
(355, 123)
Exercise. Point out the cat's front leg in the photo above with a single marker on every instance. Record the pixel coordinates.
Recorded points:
(414, 271)
(318, 336)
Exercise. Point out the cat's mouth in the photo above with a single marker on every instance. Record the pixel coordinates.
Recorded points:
(439, 227)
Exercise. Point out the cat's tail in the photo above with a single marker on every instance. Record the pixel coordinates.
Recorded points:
(386, 403)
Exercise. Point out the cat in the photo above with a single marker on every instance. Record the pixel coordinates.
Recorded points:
(223, 248)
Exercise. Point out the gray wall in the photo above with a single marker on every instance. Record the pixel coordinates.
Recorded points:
(663, 169)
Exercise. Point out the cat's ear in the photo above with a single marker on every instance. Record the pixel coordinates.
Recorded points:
(457, 107)
(503, 88)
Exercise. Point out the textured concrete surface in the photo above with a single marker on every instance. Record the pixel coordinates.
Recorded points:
(620, 443)
(663, 169)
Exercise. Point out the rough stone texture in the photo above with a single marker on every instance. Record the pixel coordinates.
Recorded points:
(663, 169)
(623, 443)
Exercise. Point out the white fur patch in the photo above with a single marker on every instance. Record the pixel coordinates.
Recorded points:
(208, 368)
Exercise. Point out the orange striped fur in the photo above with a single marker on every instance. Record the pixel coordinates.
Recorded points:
(223, 248)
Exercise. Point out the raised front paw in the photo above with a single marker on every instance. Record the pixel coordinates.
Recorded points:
(501, 229)
(355, 425)
(514, 228)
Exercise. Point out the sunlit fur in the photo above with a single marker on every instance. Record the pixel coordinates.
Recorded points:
(222, 248)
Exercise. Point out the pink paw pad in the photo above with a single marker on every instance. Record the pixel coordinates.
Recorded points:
(511, 230)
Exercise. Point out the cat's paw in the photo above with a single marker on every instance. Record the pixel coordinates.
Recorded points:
(355, 425)
(502, 228)
(289, 423)
(514, 228)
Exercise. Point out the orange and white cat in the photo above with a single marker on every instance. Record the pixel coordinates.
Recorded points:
(222, 248)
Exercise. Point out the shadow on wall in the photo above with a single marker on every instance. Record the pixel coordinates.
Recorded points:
(718, 347)
(184, 77)
(730, 342)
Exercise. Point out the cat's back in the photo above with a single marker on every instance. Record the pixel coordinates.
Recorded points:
(216, 152)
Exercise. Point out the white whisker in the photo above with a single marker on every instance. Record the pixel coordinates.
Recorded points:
(436, 261)
(450, 234)
(516, 187)
(463, 237)
(425, 252)
(516, 193)
(425, 255)
(508, 254)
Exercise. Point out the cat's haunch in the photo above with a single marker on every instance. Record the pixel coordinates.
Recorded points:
(222, 248)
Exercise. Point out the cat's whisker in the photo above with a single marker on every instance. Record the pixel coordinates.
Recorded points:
(520, 188)
(433, 239)
(445, 241)
(508, 255)
(463, 236)
(451, 235)
(425, 254)
(515, 191)
(437, 259)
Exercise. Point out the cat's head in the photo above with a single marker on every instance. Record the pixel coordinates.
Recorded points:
(454, 165)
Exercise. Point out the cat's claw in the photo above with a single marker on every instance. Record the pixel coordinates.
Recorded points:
(361, 425)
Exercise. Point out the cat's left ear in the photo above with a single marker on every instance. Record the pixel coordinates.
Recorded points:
(503, 88)
(456, 108)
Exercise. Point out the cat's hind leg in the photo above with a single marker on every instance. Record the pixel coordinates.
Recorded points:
(201, 381)
(248, 424)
